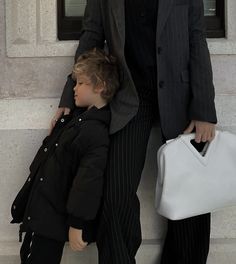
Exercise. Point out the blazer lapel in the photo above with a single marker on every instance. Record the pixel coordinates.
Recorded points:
(164, 9)
(118, 9)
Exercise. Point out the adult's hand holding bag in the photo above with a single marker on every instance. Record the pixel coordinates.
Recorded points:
(191, 183)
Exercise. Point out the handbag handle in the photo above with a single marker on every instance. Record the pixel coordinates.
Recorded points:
(186, 138)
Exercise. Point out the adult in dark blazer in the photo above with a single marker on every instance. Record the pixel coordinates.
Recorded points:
(185, 102)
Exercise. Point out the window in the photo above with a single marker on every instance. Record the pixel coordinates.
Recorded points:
(70, 15)
(214, 18)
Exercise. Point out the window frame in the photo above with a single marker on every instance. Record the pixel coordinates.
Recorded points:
(67, 27)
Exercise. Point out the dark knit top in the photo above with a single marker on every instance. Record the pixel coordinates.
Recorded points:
(140, 39)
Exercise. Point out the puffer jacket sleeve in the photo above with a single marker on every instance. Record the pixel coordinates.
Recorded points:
(85, 194)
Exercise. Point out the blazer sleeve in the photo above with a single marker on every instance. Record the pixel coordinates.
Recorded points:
(85, 194)
(202, 105)
(92, 35)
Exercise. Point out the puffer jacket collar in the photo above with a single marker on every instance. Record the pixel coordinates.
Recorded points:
(100, 114)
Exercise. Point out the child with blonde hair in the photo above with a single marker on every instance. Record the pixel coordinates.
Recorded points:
(60, 198)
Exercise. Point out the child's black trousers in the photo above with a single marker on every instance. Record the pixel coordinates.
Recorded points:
(119, 237)
(36, 249)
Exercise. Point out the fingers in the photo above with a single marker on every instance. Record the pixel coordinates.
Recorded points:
(189, 128)
(58, 114)
(52, 124)
(212, 135)
(205, 131)
(66, 111)
(78, 245)
(50, 130)
(76, 240)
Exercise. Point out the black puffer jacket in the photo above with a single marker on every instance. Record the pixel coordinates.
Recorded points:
(64, 187)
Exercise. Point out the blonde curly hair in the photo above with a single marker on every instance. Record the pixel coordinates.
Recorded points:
(101, 69)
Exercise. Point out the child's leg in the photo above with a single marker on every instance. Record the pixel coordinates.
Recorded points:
(25, 247)
(37, 249)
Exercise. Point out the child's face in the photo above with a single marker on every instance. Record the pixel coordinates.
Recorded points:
(84, 92)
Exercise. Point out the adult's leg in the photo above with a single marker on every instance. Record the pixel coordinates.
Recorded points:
(187, 240)
(37, 249)
(119, 233)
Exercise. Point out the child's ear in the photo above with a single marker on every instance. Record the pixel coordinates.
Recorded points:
(100, 87)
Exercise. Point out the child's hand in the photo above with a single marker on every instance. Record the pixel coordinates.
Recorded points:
(60, 111)
(75, 239)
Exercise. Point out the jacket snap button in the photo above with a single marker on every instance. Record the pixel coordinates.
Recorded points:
(14, 207)
(41, 179)
(45, 149)
(62, 120)
(28, 217)
(56, 144)
(80, 119)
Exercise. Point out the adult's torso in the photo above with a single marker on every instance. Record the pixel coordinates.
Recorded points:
(172, 55)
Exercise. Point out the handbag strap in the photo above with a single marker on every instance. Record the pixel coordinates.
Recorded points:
(186, 138)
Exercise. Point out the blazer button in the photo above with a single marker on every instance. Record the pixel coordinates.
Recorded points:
(56, 144)
(80, 119)
(14, 207)
(29, 179)
(45, 149)
(161, 84)
(28, 217)
(41, 179)
(159, 50)
(62, 120)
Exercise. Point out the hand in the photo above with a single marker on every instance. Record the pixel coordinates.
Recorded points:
(205, 131)
(58, 114)
(75, 239)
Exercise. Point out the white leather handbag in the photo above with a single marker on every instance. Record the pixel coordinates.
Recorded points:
(191, 183)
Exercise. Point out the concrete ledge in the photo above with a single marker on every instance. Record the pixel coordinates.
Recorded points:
(221, 251)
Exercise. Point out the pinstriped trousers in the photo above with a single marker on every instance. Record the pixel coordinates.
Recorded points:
(119, 234)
